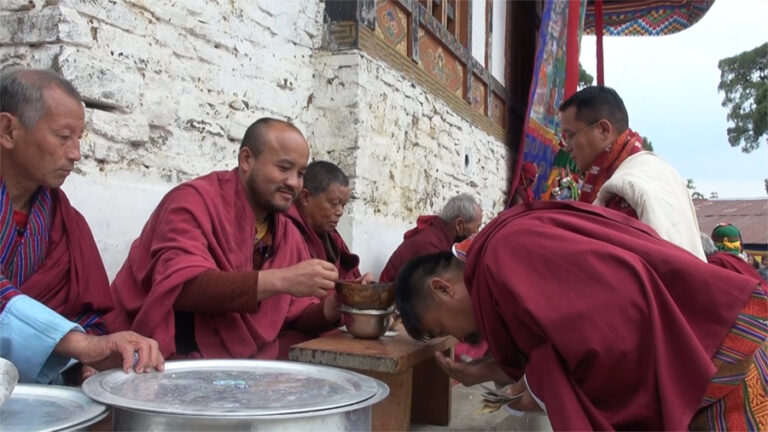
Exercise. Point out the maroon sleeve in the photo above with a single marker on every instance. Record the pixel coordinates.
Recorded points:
(312, 320)
(220, 291)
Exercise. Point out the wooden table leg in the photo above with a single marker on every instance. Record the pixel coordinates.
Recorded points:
(393, 413)
(431, 398)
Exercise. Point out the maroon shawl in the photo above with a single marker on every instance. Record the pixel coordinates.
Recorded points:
(72, 279)
(430, 235)
(732, 262)
(614, 327)
(346, 263)
(205, 224)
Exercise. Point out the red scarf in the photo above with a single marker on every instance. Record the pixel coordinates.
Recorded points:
(620, 335)
(627, 144)
(205, 224)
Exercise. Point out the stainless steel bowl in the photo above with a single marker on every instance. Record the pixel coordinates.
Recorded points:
(367, 323)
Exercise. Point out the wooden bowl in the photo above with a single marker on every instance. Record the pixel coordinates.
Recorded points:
(377, 295)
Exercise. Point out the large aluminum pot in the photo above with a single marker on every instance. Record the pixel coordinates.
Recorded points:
(238, 395)
(38, 407)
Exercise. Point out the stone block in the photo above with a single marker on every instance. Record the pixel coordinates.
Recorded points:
(214, 34)
(101, 80)
(126, 128)
(51, 24)
(163, 11)
(130, 48)
(174, 39)
(116, 13)
(96, 147)
(17, 5)
(39, 57)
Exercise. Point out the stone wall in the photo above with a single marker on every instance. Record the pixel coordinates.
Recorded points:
(406, 151)
(171, 86)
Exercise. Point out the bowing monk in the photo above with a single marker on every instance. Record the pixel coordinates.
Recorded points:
(219, 271)
(316, 213)
(53, 286)
(619, 174)
(622, 330)
(460, 218)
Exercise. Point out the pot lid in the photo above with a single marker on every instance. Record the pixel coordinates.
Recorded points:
(232, 388)
(41, 407)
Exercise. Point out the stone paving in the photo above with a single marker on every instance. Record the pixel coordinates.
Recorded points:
(464, 416)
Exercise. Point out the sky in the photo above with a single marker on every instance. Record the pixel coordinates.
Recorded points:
(669, 85)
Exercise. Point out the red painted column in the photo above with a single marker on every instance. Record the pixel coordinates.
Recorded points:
(599, 34)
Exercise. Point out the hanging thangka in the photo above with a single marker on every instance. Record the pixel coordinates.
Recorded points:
(557, 178)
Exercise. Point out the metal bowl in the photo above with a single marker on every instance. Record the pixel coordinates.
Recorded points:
(367, 323)
(377, 295)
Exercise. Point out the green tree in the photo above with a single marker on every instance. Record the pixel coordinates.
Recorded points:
(647, 144)
(744, 82)
(713, 195)
(692, 189)
(585, 79)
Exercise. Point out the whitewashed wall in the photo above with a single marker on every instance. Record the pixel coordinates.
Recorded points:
(172, 85)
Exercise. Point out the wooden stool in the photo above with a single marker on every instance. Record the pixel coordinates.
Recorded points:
(418, 389)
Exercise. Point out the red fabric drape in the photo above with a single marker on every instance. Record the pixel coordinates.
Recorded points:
(572, 49)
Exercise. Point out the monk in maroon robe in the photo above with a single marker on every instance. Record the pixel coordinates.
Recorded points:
(317, 212)
(460, 218)
(219, 271)
(53, 286)
(612, 327)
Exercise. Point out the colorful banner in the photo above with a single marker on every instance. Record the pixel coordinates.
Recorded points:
(541, 141)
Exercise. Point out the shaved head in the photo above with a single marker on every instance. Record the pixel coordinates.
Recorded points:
(412, 293)
(256, 134)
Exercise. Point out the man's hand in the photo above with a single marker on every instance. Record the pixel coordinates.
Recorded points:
(312, 277)
(527, 402)
(365, 279)
(475, 372)
(331, 307)
(108, 351)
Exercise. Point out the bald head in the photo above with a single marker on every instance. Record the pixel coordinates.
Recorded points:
(22, 93)
(257, 133)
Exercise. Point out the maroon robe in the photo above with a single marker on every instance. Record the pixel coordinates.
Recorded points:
(732, 262)
(613, 327)
(430, 235)
(205, 224)
(71, 280)
(346, 262)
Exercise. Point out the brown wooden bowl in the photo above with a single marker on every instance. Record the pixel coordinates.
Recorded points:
(377, 295)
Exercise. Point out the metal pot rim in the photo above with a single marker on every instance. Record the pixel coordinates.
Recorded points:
(353, 388)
